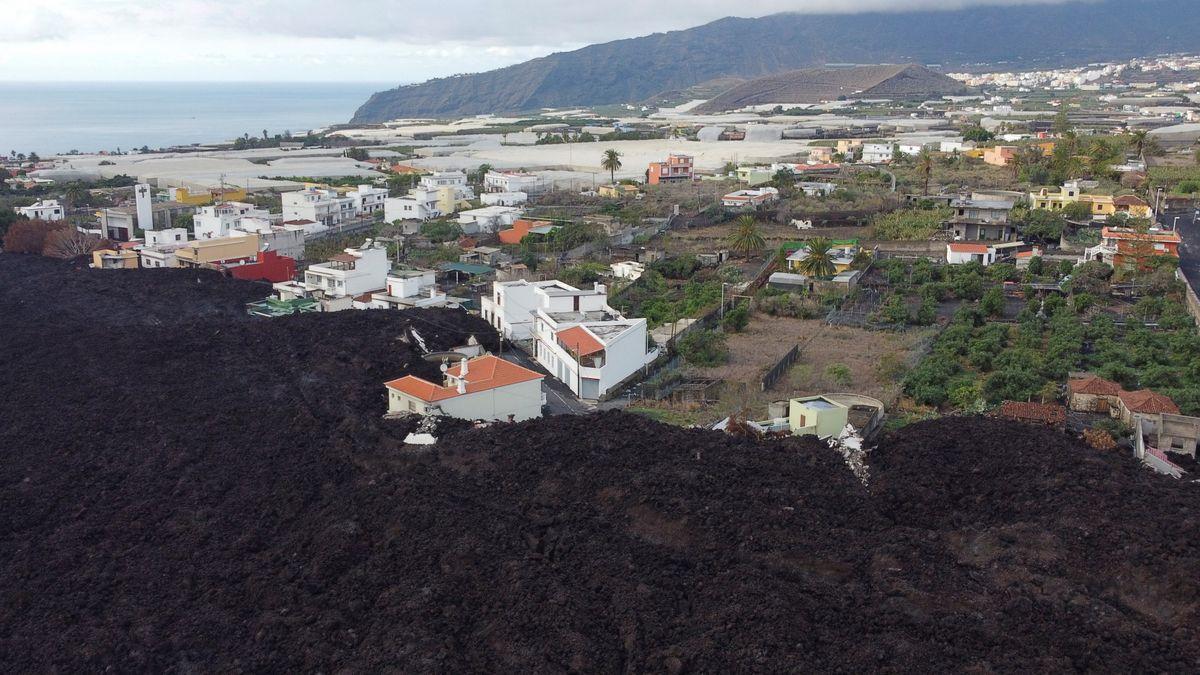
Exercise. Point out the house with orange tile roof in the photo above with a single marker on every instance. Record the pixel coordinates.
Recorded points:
(1089, 393)
(483, 388)
(1122, 247)
(1143, 403)
(520, 228)
(961, 253)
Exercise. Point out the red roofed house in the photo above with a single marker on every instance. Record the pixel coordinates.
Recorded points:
(269, 266)
(1123, 246)
(1093, 394)
(960, 253)
(482, 388)
(519, 229)
(1134, 404)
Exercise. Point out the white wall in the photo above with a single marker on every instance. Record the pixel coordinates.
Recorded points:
(522, 400)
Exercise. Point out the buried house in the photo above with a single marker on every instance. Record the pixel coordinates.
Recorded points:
(483, 388)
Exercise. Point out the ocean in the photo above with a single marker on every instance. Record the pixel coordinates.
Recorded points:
(62, 116)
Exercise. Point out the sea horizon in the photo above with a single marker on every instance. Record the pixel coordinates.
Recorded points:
(57, 117)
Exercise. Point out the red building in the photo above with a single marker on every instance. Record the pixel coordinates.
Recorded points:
(676, 168)
(270, 266)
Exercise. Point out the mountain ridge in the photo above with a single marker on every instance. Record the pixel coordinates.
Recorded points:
(634, 69)
(813, 85)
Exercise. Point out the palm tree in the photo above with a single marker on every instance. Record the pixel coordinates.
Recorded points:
(612, 162)
(925, 167)
(1025, 158)
(1138, 140)
(746, 238)
(819, 261)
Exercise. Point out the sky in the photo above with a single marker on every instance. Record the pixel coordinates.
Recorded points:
(339, 40)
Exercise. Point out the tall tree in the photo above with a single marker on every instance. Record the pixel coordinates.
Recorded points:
(819, 261)
(925, 167)
(746, 237)
(611, 162)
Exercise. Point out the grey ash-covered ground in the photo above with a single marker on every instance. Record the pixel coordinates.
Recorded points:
(185, 489)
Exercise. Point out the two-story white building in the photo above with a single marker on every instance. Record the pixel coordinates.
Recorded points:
(513, 181)
(319, 205)
(368, 199)
(48, 209)
(576, 335)
(419, 204)
(511, 307)
(286, 240)
(158, 248)
(449, 179)
(218, 220)
(354, 273)
(878, 153)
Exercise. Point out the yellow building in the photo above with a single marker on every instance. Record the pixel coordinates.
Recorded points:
(210, 196)
(112, 259)
(617, 191)
(1102, 206)
(817, 416)
(198, 253)
(842, 253)
(848, 146)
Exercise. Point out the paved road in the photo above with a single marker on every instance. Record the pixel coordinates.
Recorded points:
(1189, 231)
(559, 398)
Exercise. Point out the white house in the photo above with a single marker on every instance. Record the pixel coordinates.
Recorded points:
(169, 237)
(488, 219)
(910, 149)
(960, 253)
(817, 189)
(419, 204)
(511, 307)
(455, 180)
(319, 205)
(877, 153)
(48, 209)
(354, 273)
(750, 198)
(410, 288)
(152, 258)
(286, 240)
(513, 181)
(503, 198)
(592, 352)
(216, 221)
(628, 269)
(577, 336)
(368, 199)
(483, 388)
(955, 146)
(158, 249)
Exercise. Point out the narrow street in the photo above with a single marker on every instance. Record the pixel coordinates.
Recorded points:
(559, 399)
(1189, 230)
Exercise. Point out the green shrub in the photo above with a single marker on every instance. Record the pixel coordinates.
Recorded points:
(704, 348)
